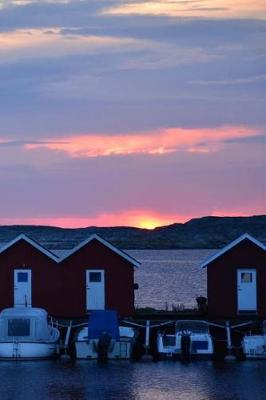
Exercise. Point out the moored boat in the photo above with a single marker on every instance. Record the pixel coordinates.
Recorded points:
(254, 345)
(191, 339)
(26, 334)
(103, 338)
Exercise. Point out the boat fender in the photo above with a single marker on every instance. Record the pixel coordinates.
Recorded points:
(103, 346)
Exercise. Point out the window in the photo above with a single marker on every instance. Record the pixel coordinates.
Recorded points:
(246, 277)
(22, 276)
(19, 327)
(95, 277)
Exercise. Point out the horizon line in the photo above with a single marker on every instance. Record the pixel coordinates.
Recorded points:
(129, 226)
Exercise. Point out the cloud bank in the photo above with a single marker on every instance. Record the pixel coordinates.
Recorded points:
(156, 143)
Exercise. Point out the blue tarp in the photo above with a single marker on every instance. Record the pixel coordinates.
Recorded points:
(103, 321)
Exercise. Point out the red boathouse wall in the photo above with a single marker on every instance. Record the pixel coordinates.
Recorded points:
(222, 279)
(119, 279)
(60, 287)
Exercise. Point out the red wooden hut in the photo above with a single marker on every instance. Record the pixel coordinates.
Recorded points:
(93, 275)
(236, 279)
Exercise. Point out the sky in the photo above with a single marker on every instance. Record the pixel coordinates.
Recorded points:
(133, 112)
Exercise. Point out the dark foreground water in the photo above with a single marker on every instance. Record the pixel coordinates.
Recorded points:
(121, 380)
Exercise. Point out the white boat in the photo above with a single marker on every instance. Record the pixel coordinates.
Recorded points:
(26, 334)
(254, 345)
(103, 338)
(191, 339)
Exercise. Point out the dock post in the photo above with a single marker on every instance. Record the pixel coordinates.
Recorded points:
(147, 334)
(228, 336)
(68, 335)
(230, 356)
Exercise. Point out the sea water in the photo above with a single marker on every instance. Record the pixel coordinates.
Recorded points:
(170, 278)
(125, 380)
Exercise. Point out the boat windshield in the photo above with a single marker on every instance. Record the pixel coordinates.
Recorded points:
(192, 326)
(19, 327)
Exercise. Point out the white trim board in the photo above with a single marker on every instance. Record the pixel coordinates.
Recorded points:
(224, 250)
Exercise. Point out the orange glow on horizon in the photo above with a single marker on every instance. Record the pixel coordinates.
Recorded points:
(139, 219)
(153, 221)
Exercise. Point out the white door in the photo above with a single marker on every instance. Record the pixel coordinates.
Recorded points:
(95, 289)
(247, 289)
(22, 288)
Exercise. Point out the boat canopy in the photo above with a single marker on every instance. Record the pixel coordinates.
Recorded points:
(24, 323)
(101, 322)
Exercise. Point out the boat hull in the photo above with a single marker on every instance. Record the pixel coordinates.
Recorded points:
(254, 347)
(27, 350)
(118, 350)
(179, 356)
(169, 347)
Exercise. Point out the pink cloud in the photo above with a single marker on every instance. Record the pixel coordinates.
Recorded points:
(177, 8)
(154, 143)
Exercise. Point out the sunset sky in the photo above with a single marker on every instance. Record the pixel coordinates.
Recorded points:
(131, 112)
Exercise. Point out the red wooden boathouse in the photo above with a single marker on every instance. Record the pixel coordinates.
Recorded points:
(93, 275)
(236, 279)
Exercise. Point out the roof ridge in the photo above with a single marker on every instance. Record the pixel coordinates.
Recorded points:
(58, 259)
(230, 246)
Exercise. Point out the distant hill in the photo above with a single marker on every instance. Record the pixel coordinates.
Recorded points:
(199, 233)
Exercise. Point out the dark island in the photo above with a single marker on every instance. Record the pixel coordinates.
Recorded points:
(199, 233)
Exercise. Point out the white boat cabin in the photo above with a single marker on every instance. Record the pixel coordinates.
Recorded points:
(27, 324)
(190, 336)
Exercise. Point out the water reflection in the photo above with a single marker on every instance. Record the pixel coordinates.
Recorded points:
(91, 380)
(59, 380)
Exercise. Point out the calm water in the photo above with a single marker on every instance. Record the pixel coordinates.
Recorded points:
(58, 380)
(170, 276)
(165, 276)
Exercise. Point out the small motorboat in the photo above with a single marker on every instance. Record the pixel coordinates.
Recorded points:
(103, 338)
(254, 345)
(26, 334)
(191, 339)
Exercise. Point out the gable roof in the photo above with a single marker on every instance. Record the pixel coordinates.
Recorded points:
(33, 243)
(57, 259)
(224, 250)
(106, 244)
